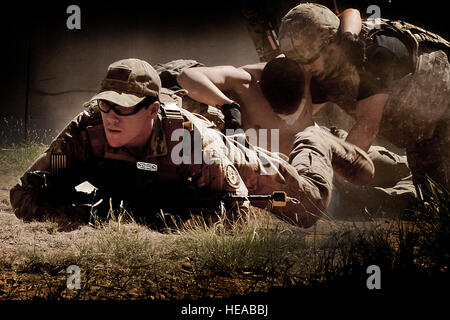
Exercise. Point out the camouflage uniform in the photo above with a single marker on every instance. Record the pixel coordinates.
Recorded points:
(389, 188)
(389, 194)
(168, 73)
(228, 164)
(416, 115)
(83, 145)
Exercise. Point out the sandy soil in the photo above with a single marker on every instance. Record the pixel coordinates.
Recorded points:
(33, 258)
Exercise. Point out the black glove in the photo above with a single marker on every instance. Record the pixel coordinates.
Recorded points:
(353, 48)
(232, 114)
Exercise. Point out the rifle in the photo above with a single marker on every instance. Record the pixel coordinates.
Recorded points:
(52, 189)
(277, 198)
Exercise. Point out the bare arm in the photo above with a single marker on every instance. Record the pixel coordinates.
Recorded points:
(350, 21)
(208, 84)
(255, 69)
(368, 116)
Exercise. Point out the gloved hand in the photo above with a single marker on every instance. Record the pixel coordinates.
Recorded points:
(232, 115)
(353, 48)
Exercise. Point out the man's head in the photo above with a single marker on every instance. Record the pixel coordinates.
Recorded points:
(129, 101)
(307, 35)
(282, 84)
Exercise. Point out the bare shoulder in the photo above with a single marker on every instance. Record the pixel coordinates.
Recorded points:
(239, 74)
(225, 77)
(233, 77)
(254, 70)
(231, 73)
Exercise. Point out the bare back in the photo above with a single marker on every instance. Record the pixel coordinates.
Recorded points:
(257, 114)
(221, 85)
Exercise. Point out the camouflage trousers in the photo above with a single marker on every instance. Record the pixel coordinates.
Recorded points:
(306, 175)
(390, 193)
(417, 117)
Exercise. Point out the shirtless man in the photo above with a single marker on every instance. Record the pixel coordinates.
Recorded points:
(270, 98)
(227, 85)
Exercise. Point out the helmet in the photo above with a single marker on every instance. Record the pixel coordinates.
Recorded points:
(305, 30)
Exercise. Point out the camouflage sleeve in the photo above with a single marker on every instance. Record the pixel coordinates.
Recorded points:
(230, 164)
(216, 172)
(63, 154)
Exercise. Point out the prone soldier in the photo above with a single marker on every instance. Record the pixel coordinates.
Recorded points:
(124, 143)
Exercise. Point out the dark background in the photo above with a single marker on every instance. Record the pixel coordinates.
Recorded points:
(48, 70)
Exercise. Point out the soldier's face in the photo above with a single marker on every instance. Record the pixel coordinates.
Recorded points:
(130, 131)
(326, 64)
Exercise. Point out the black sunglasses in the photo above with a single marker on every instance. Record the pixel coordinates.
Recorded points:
(106, 106)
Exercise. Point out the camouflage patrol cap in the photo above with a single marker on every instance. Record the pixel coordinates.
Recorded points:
(128, 82)
(305, 30)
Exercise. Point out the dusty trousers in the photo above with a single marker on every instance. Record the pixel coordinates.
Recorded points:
(306, 175)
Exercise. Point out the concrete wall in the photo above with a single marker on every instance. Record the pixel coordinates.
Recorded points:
(66, 66)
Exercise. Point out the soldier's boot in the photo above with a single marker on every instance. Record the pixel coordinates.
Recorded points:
(349, 161)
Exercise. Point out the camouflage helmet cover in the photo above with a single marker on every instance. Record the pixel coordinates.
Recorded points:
(305, 30)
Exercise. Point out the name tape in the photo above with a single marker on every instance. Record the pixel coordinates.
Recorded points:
(146, 166)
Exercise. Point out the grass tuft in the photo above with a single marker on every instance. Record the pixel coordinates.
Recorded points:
(258, 244)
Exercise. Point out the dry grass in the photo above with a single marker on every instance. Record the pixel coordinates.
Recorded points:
(121, 259)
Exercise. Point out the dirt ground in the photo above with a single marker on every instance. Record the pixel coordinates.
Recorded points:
(34, 257)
